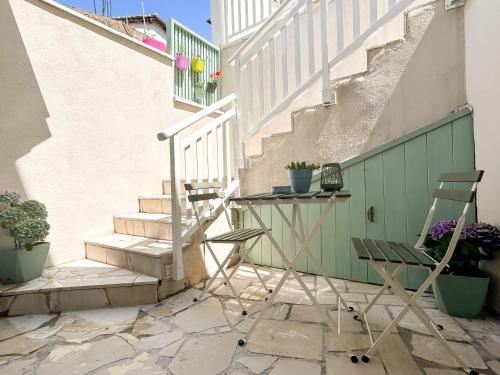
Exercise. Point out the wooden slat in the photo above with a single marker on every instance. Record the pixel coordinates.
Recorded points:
(310, 37)
(325, 194)
(205, 196)
(297, 52)
(284, 62)
(290, 196)
(373, 11)
(374, 251)
(309, 195)
(360, 248)
(421, 257)
(343, 194)
(240, 235)
(272, 74)
(454, 195)
(340, 25)
(260, 62)
(403, 254)
(471, 176)
(204, 185)
(388, 252)
(356, 20)
(250, 92)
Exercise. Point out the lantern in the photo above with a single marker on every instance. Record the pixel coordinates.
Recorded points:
(331, 177)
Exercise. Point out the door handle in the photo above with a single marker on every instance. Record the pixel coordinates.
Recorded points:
(370, 214)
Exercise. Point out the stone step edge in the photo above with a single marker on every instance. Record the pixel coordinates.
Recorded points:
(168, 220)
(117, 248)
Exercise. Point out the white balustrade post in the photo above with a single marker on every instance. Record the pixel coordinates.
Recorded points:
(327, 97)
(238, 131)
(218, 22)
(175, 186)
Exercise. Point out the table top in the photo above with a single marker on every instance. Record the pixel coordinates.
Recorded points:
(290, 198)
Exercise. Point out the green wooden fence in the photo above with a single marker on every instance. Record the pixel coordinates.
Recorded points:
(397, 180)
(180, 37)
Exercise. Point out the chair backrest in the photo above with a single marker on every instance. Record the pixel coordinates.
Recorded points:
(458, 195)
(194, 196)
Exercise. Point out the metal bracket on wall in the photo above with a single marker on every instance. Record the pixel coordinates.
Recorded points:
(452, 4)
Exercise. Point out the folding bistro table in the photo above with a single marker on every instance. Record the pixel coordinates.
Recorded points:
(299, 243)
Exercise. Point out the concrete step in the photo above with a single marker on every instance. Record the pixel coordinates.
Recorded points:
(141, 254)
(78, 285)
(157, 226)
(158, 204)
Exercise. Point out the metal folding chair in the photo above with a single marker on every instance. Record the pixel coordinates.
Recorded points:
(382, 254)
(237, 237)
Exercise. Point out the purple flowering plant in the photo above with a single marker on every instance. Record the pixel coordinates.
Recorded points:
(478, 241)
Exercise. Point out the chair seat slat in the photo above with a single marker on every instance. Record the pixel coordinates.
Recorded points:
(469, 176)
(205, 196)
(374, 251)
(204, 185)
(403, 254)
(238, 235)
(389, 253)
(422, 258)
(361, 249)
(455, 195)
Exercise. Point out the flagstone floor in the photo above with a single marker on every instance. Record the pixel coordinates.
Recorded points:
(180, 337)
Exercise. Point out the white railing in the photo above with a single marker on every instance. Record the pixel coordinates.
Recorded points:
(233, 20)
(206, 152)
(295, 47)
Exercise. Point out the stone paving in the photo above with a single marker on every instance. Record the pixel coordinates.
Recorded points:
(180, 337)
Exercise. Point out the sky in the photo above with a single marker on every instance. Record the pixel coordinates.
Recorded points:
(191, 13)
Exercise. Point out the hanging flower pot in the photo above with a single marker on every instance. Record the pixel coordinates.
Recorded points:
(181, 62)
(211, 87)
(197, 64)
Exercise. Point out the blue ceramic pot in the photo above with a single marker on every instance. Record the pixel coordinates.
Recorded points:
(300, 179)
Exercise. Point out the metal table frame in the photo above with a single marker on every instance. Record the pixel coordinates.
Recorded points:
(298, 237)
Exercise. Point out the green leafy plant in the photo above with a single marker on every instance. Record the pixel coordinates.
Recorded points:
(294, 165)
(478, 241)
(26, 221)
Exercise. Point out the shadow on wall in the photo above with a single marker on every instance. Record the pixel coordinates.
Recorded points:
(23, 112)
(433, 83)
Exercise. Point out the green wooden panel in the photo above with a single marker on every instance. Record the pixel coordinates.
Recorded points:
(359, 269)
(313, 214)
(416, 196)
(395, 209)
(463, 154)
(343, 235)
(302, 261)
(256, 254)
(277, 231)
(266, 257)
(374, 177)
(328, 243)
(287, 210)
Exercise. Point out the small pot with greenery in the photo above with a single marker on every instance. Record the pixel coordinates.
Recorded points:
(300, 175)
(26, 222)
(461, 289)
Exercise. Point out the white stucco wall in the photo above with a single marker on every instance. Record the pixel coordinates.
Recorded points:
(80, 108)
(482, 69)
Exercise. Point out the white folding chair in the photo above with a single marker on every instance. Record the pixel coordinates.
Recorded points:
(237, 237)
(382, 254)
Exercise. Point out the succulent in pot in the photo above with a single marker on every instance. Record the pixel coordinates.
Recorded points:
(215, 78)
(462, 287)
(26, 222)
(300, 175)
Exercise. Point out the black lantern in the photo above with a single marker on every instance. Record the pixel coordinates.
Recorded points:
(331, 177)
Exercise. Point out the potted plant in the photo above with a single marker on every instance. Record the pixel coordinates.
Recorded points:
(197, 64)
(300, 175)
(215, 78)
(181, 61)
(199, 91)
(461, 289)
(28, 227)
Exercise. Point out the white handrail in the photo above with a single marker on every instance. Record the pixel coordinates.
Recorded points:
(184, 124)
(209, 152)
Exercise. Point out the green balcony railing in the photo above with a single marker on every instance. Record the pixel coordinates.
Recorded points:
(180, 38)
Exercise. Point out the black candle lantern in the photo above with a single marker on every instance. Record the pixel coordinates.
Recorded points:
(331, 177)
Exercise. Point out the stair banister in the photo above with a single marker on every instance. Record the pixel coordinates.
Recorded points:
(218, 155)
